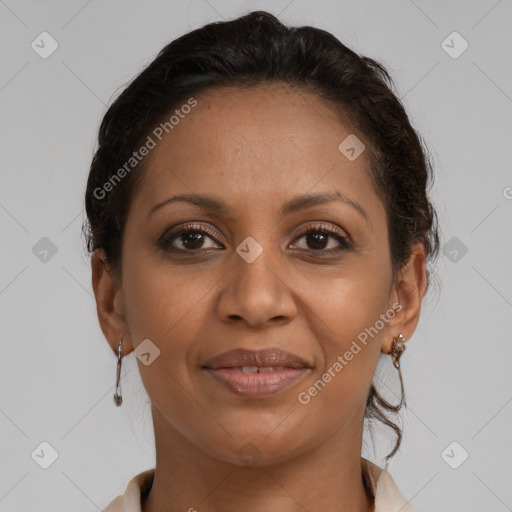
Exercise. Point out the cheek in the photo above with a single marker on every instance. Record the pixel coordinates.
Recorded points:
(157, 309)
(167, 307)
(352, 313)
(339, 387)
(351, 303)
(160, 300)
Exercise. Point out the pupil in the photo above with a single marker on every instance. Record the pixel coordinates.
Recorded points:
(196, 237)
(318, 240)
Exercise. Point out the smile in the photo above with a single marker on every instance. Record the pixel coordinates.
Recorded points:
(257, 382)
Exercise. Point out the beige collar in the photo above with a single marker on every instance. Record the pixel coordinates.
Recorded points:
(386, 494)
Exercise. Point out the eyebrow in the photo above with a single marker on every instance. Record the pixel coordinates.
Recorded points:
(296, 204)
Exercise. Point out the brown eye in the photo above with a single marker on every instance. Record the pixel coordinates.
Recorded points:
(191, 239)
(321, 239)
(188, 238)
(317, 240)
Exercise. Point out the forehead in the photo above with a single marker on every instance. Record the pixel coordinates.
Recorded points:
(255, 143)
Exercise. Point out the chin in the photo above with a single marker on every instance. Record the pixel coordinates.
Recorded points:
(256, 449)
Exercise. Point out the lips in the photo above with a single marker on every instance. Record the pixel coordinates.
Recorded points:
(262, 360)
(256, 374)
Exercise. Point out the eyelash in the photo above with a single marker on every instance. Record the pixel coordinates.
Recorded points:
(168, 237)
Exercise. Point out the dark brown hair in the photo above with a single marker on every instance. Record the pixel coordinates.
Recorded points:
(257, 49)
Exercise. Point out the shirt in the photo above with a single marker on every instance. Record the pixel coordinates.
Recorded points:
(385, 492)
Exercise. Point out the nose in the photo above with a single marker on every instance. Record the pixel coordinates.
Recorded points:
(256, 294)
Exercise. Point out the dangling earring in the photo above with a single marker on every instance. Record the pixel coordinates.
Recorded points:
(118, 399)
(397, 349)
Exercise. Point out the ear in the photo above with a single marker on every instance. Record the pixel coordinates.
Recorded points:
(110, 303)
(408, 290)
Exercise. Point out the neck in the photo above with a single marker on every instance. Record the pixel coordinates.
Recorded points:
(327, 477)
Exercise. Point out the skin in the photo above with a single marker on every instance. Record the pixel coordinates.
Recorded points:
(254, 149)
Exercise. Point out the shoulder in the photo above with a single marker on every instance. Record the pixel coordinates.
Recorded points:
(388, 497)
(136, 488)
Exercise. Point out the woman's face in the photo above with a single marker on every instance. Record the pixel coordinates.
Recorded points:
(273, 265)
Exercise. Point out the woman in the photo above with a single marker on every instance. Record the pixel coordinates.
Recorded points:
(260, 234)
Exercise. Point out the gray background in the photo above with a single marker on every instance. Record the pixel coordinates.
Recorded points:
(57, 372)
